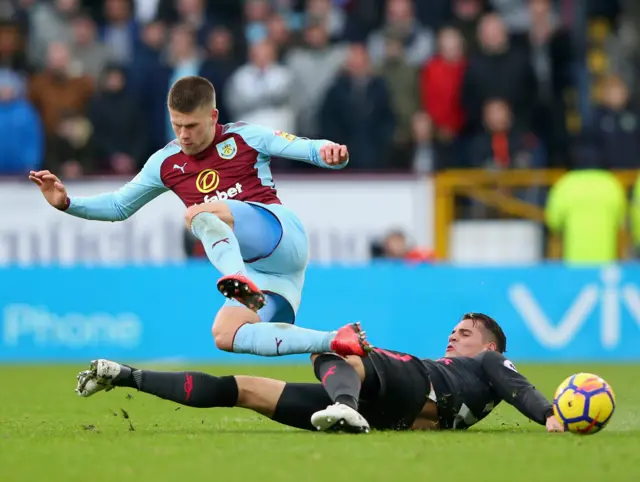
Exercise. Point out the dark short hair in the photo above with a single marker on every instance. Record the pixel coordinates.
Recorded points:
(491, 326)
(191, 93)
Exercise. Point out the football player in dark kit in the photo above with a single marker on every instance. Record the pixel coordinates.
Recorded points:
(385, 390)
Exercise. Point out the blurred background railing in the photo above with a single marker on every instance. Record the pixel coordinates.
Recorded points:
(520, 195)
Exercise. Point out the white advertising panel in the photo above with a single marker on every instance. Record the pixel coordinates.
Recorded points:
(342, 214)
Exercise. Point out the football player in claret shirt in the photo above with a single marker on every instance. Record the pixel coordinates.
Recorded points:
(387, 390)
(222, 175)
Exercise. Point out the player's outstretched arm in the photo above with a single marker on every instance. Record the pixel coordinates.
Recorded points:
(51, 188)
(113, 206)
(516, 390)
(319, 152)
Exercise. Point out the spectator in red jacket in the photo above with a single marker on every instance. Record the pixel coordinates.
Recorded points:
(441, 90)
(441, 83)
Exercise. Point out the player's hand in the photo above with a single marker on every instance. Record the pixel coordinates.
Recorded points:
(553, 425)
(334, 154)
(51, 188)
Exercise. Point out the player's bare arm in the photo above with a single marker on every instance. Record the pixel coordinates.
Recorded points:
(111, 206)
(322, 153)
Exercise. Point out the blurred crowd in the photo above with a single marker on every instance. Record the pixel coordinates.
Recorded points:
(408, 85)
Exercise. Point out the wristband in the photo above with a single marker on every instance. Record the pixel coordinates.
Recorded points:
(67, 203)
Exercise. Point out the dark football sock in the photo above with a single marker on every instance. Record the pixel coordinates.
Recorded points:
(298, 402)
(340, 380)
(126, 377)
(193, 389)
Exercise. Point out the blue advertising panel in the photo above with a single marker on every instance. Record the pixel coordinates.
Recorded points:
(549, 313)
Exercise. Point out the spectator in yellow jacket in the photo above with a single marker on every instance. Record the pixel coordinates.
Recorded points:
(587, 207)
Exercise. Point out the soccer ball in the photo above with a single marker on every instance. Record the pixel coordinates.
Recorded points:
(584, 403)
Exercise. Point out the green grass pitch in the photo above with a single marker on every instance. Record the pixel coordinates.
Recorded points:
(47, 433)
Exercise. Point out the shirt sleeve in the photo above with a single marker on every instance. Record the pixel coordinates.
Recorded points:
(123, 203)
(281, 144)
(514, 388)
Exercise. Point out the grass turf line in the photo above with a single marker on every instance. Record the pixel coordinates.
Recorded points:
(49, 433)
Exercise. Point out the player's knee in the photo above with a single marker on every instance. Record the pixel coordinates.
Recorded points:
(222, 338)
(219, 209)
(190, 213)
(353, 360)
(356, 362)
(330, 354)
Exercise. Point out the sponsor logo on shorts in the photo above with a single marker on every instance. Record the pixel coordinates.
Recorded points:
(222, 195)
(207, 181)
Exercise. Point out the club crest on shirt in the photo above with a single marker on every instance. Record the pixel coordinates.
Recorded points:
(227, 149)
(286, 135)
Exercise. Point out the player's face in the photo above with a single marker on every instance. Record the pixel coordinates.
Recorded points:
(194, 130)
(467, 339)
